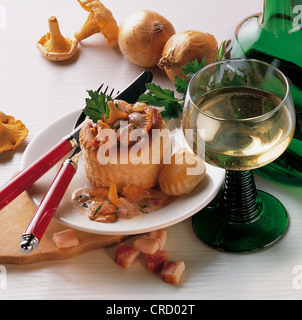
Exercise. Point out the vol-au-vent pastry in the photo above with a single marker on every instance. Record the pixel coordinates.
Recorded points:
(135, 166)
(184, 173)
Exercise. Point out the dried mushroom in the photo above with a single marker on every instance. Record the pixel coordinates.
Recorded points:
(54, 46)
(100, 19)
(12, 132)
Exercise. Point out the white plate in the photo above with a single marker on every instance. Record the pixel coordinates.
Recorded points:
(181, 209)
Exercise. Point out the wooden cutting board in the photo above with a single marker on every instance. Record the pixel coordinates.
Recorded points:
(13, 221)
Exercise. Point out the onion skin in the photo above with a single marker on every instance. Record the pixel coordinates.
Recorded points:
(185, 47)
(142, 37)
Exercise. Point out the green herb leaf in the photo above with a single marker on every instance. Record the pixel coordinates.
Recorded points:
(157, 96)
(97, 210)
(191, 68)
(181, 85)
(236, 79)
(173, 110)
(97, 105)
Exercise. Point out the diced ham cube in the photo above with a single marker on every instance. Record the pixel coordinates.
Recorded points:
(147, 245)
(172, 271)
(125, 255)
(156, 261)
(66, 239)
(162, 235)
(107, 209)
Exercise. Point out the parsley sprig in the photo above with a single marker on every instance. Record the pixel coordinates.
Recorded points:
(158, 97)
(173, 107)
(97, 105)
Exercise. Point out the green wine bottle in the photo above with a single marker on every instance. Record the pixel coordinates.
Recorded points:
(275, 36)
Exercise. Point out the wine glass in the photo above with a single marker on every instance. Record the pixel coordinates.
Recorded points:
(241, 114)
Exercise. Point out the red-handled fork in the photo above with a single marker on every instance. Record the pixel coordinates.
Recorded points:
(49, 204)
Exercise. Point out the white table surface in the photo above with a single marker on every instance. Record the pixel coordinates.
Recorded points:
(38, 91)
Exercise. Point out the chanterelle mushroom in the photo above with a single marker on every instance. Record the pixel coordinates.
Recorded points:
(100, 19)
(12, 132)
(54, 46)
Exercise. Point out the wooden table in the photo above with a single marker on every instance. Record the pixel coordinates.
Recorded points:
(38, 92)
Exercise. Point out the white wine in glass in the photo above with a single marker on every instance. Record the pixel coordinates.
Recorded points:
(231, 139)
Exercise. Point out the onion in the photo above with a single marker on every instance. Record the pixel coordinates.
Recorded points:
(185, 47)
(142, 37)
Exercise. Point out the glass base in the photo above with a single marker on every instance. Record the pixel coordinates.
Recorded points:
(216, 230)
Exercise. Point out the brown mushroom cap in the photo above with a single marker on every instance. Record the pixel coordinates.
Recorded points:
(12, 132)
(54, 46)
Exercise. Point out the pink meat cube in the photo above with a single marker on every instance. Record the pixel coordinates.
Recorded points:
(172, 271)
(162, 235)
(125, 255)
(156, 261)
(108, 209)
(66, 239)
(147, 245)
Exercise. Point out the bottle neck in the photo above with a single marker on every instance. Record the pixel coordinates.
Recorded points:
(278, 15)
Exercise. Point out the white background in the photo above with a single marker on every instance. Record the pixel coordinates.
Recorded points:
(38, 92)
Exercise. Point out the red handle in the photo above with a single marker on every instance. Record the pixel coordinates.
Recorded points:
(51, 201)
(24, 179)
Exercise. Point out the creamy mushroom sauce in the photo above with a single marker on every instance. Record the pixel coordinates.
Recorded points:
(152, 201)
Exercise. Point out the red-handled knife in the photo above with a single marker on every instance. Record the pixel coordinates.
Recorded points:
(49, 204)
(29, 175)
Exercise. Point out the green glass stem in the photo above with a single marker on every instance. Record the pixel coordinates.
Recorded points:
(243, 206)
(241, 219)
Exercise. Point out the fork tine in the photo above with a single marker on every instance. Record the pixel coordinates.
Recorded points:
(106, 90)
(100, 88)
(111, 93)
